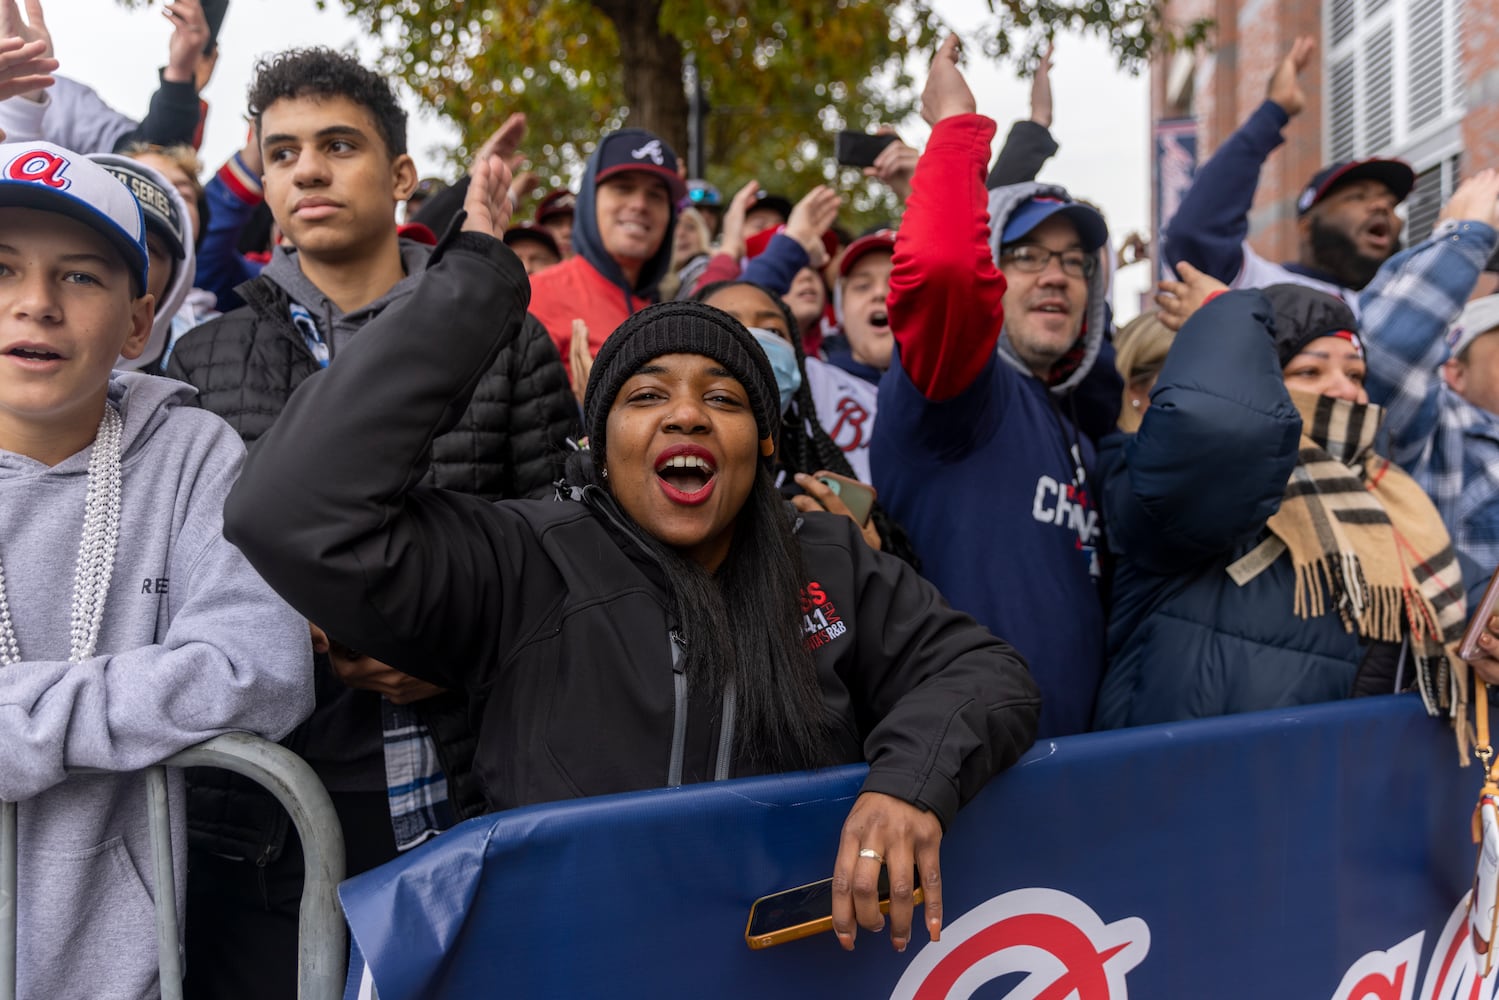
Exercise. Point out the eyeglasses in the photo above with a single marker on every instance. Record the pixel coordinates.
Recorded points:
(1033, 259)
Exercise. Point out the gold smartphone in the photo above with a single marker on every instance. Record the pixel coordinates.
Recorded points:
(856, 496)
(802, 912)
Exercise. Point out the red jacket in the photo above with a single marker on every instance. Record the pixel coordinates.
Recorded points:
(573, 290)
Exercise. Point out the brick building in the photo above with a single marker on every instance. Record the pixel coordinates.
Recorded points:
(1414, 79)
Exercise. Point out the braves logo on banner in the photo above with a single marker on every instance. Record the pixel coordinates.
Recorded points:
(1067, 949)
(1451, 974)
(39, 167)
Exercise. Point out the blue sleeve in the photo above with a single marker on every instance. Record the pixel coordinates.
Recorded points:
(1216, 447)
(1403, 316)
(221, 267)
(776, 268)
(1212, 222)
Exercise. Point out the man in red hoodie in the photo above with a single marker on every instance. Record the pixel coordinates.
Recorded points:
(622, 237)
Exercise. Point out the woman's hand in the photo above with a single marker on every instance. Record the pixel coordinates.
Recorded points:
(1486, 663)
(819, 497)
(1178, 300)
(487, 203)
(580, 360)
(907, 839)
(368, 674)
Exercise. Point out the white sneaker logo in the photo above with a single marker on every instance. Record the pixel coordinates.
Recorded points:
(651, 150)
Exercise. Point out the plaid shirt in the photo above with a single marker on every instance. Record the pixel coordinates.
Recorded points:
(1448, 445)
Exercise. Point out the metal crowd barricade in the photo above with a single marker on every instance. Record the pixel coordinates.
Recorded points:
(322, 938)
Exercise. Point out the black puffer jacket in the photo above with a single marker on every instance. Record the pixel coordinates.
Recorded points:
(509, 443)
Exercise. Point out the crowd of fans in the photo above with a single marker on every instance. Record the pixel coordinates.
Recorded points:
(586, 508)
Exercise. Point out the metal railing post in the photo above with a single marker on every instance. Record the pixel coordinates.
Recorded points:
(322, 937)
(7, 901)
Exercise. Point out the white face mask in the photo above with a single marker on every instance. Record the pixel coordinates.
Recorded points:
(782, 361)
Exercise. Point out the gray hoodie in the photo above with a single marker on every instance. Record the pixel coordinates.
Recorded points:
(193, 644)
(1002, 202)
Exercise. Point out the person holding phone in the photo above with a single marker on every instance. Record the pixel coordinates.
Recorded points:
(667, 603)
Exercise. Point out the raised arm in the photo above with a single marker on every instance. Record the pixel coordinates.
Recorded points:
(946, 292)
(1212, 222)
(1214, 450)
(329, 508)
(1406, 309)
(1029, 143)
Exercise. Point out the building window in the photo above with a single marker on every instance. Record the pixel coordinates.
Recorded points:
(1393, 78)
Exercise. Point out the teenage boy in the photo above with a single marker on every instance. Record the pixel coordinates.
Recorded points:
(393, 752)
(157, 634)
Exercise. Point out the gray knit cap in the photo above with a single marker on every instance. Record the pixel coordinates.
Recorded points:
(680, 328)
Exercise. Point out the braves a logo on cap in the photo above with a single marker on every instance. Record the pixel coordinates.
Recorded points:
(1305, 201)
(650, 151)
(1066, 949)
(39, 166)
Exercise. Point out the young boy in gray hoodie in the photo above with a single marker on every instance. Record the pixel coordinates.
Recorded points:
(129, 628)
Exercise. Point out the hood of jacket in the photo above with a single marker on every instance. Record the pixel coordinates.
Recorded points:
(1002, 203)
(590, 245)
(177, 289)
(143, 401)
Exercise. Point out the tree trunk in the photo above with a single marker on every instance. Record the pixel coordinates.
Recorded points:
(651, 67)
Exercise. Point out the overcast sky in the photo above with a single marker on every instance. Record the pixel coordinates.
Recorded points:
(1101, 114)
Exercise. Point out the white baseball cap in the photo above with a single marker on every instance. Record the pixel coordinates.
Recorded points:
(1477, 318)
(52, 179)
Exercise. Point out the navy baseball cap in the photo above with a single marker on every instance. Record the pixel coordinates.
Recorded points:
(1091, 228)
(1393, 174)
(52, 179)
(773, 202)
(637, 149)
(533, 231)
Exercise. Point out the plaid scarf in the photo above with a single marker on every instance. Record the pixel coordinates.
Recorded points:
(1365, 540)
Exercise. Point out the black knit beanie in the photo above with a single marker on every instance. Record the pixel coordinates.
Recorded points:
(1303, 314)
(680, 328)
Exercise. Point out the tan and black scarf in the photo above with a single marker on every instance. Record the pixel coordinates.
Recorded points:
(1367, 542)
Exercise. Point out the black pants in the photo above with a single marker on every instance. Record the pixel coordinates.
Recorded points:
(242, 919)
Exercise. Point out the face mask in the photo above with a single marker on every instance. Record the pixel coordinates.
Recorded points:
(782, 361)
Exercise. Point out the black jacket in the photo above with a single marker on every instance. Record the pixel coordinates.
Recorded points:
(566, 632)
(508, 442)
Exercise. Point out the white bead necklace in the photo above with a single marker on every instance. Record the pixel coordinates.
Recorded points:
(96, 550)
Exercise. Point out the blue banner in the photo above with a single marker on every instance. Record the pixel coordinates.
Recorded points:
(1308, 853)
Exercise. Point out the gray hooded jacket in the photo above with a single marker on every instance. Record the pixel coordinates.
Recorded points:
(193, 644)
(1002, 202)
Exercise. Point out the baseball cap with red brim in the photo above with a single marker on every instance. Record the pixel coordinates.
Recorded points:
(1393, 174)
(636, 149)
(881, 239)
(558, 202)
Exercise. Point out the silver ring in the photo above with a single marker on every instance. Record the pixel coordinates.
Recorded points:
(870, 852)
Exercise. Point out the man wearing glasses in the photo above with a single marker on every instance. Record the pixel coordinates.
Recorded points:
(977, 450)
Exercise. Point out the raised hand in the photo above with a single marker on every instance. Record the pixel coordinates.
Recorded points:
(1476, 199)
(731, 232)
(946, 92)
(1178, 300)
(579, 360)
(504, 142)
(31, 28)
(189, 38)
(1041, 89)
(25, 68)
(813, 216)
(487, 203)
(1285, 82)
(895, 165)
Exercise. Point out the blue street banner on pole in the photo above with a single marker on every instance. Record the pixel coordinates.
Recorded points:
(1316, 852)
(1174, 155)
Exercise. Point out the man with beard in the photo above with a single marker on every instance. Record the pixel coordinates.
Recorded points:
(1346, 221)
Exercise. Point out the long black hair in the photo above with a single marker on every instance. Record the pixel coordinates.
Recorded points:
(805, 445)
(741, 625)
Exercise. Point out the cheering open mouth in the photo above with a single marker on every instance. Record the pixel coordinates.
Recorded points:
(687, 473)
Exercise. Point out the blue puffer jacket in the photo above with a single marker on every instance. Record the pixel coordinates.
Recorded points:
(1186, 497)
